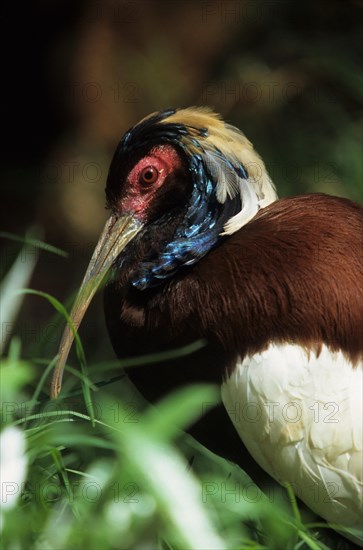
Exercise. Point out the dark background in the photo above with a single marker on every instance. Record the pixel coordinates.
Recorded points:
(76, 75)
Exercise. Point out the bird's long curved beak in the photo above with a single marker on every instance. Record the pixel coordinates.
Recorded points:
(118, 231)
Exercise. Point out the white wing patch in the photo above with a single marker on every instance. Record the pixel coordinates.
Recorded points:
(300, 417)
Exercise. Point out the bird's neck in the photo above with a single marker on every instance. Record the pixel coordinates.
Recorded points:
(176, 241)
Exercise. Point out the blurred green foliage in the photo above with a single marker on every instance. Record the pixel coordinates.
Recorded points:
(118, 481)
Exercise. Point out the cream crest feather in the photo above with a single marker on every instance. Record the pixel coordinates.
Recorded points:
(224, 149)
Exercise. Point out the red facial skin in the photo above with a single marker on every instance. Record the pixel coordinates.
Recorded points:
(162, 160)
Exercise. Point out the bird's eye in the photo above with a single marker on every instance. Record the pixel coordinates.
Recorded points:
(149, 175)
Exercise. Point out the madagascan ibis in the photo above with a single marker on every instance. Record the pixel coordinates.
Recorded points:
(199, 247)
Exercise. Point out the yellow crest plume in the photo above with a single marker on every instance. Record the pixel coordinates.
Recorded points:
(231, 160)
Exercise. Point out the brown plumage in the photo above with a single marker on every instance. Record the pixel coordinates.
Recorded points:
(293, 274)
(234, 299)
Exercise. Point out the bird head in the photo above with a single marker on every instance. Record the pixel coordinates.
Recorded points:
(180, 182)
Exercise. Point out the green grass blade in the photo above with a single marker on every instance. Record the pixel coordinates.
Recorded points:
(33, 242)
(18, 276)
(79, 348)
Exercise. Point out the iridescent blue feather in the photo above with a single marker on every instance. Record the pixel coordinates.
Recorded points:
(198, 233)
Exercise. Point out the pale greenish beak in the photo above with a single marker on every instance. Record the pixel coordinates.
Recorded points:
(117, 233)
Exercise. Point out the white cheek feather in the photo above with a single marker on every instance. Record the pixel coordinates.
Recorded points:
(300, 417)
(250, 207)
(251, 203)
(226, 178)
(255, 192)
